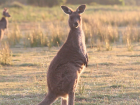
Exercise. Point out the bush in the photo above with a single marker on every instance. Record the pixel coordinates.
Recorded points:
(49, 3)
(130, 2)
(5, 55)
(16, 4)
(3, 1)
(103, 2)
(55, 2)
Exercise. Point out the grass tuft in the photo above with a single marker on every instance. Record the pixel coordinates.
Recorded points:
(5, 55)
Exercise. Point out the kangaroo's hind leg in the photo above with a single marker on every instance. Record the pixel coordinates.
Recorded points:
(64, 100)
(71, 98)
(1, 36)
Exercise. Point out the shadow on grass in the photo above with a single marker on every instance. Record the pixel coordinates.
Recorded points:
(128, 55)
(101, 64)
(28, 64)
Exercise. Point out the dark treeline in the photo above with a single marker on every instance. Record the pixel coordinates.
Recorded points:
(103, 2)
(51, 3)
(59, 2)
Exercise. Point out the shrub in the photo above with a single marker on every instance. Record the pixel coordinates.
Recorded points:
(5, 55)
(49, 3)
(16, 4)
(103, 2)
(14, 36)
(3, 1)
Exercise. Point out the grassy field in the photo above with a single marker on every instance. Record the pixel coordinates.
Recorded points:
(112, 37)
(112, 77)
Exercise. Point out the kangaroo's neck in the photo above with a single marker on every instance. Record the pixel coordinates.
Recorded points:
(76, 37)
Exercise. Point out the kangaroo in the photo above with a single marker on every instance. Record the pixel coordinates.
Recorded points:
(4, 22)
(65, 69)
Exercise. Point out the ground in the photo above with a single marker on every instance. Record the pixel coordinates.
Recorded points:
(111, 78)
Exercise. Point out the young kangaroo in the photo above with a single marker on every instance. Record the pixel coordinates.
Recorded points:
(4, 22)
(65, 69)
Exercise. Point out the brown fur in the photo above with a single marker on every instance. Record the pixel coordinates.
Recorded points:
(65, 69)
(4, 22)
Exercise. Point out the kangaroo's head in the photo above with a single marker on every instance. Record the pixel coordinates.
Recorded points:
(75, 20)
(5, 13)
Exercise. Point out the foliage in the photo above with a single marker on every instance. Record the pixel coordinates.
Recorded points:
(49, 3)
(16, 4)
(103, 2)
(3, 1)
(80, 1)
(55, 2)
(132, 2)
(14, 36)
(5, 55)
(111, 2)
(102, 26)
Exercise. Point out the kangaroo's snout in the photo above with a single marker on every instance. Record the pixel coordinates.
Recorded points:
(75, 25)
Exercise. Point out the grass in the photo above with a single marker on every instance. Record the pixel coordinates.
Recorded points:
(103, 26)
(5, 55)
(112, 77)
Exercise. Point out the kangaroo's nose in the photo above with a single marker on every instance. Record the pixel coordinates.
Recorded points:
(75, 24)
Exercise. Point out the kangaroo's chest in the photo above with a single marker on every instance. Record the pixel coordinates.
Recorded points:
(82, 47)
(5, 25)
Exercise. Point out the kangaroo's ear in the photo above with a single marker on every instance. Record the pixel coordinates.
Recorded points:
(81, 8)
(67, 10)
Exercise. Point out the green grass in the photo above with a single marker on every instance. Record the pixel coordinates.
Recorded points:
(112, 77)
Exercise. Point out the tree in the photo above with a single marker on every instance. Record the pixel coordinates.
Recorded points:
(3, 1)
(49, 3)
(103, 2)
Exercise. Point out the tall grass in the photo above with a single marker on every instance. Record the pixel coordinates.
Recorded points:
(54, 35)
(102, 26)
(131, 34)
(14, 36)
(5, 55)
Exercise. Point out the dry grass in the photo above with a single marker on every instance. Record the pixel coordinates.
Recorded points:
(5, 55)
(14, 36)
(112, 77)
(46, 27)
